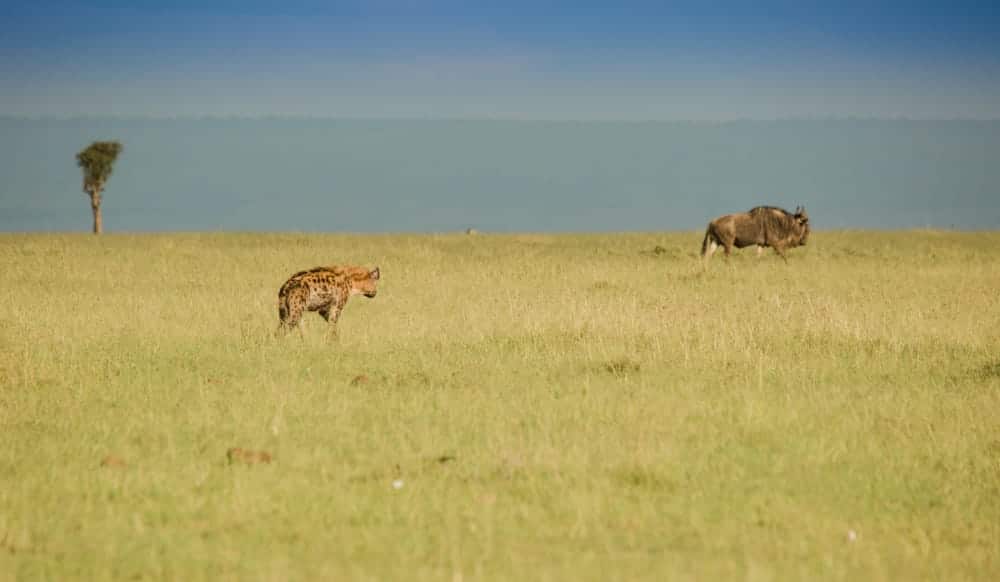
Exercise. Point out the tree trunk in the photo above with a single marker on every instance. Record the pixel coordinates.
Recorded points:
(95, 206)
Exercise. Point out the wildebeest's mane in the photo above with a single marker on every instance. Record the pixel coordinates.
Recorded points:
(757, 209)
(772, 218)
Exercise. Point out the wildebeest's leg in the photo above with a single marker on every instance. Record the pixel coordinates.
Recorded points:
(781, 252)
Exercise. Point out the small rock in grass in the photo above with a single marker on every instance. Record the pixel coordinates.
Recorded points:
(114, 462)
(238, 455)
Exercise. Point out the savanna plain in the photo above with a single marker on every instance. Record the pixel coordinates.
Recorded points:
(536, 407)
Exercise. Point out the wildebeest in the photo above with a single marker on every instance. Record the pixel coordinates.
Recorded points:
(764, 226)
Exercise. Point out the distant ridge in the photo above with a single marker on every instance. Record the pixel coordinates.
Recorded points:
(301, 117)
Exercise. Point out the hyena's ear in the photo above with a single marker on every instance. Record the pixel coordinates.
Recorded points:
(374, 274)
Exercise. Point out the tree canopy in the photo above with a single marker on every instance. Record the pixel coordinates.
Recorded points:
(97, 162)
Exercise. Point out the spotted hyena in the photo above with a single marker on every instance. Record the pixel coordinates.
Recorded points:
(323, 289)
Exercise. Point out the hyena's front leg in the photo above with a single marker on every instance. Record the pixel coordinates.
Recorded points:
(331, 313)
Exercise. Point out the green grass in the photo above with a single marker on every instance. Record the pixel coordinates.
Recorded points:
(614, 410)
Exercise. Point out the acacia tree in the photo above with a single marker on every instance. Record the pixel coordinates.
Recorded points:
(97, 161)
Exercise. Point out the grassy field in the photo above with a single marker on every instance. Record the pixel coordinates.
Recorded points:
(572, 407)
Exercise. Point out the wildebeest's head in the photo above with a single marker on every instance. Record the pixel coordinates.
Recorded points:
(802, 220)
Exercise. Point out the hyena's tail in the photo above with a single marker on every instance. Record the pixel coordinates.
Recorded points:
(284, 310)
(291, 300)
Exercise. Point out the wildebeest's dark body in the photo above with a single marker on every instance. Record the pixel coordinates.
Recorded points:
(763, 226)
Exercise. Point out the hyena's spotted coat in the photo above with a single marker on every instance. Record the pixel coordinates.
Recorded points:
(323, 289)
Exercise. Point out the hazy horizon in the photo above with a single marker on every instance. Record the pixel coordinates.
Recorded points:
(502, 176)
(335, 118)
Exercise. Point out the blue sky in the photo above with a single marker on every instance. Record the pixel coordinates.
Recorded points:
(512, 59)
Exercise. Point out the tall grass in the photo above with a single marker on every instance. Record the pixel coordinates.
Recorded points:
(586, 407)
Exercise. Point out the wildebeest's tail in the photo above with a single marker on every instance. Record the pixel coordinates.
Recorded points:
(708, 239)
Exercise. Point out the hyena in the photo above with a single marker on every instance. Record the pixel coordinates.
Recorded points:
(323, 289)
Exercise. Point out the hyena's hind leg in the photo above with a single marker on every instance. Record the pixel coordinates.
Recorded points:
(290, 308)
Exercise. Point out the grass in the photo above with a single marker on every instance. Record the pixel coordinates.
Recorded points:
(572, 407)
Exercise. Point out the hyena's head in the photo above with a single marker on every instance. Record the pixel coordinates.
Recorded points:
(363, 282)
